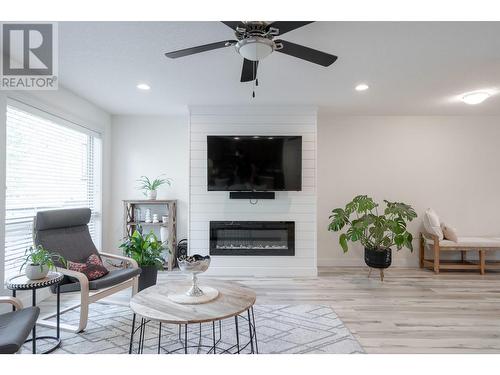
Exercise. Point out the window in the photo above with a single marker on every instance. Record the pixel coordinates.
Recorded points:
(51, 164)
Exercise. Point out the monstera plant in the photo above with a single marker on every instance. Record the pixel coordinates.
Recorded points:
(378, 230)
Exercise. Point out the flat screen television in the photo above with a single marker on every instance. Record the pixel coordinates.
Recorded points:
(254, 163)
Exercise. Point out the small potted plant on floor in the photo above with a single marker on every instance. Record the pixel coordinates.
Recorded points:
(150, 187)
(377, 232)
(146, 251)
(38, 261)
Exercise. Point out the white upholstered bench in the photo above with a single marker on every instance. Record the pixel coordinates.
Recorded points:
(464, 244)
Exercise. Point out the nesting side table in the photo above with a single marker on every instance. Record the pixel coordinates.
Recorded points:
(21, 282)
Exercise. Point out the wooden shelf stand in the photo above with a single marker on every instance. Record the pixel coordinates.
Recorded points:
(160, 207)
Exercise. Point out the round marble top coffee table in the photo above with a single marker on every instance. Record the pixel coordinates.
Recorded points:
(233, 301)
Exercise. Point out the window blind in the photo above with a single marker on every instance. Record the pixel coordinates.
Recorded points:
(49, 165)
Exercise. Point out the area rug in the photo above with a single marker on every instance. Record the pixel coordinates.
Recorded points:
(291, 329)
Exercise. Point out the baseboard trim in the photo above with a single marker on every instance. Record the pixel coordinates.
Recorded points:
(350, 262)
(263, 271)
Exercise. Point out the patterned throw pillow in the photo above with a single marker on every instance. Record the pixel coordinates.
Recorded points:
(92, 268)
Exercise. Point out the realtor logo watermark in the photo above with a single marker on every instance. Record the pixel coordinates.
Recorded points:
(29, 56)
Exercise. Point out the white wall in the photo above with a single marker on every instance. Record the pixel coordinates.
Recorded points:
(65, 104)
(448, 163)
(288, 206)
(147, 145)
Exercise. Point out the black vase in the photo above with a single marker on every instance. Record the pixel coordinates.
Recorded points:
(148, 277)
(378, 257)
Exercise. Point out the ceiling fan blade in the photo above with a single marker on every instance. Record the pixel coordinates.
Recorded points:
(286, 26)
(249, 70)
(198, 49)
(306, 53)
(232, 24)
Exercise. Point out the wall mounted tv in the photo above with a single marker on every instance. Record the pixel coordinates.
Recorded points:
(254, 163)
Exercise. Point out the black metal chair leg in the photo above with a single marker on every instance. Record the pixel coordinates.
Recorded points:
(132, 335)
(185, 339)
(237, 334)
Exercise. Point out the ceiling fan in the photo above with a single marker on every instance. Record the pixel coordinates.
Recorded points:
(256, 40)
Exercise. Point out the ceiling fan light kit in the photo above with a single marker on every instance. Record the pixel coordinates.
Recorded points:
(256, 48)
(255, 41)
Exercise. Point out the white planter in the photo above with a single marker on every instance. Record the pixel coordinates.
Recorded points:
(152, 194)
(35, 272)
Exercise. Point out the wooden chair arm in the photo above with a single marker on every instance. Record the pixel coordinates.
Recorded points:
(125, 259)
(82, 279)
(429, 236)
(13, 301)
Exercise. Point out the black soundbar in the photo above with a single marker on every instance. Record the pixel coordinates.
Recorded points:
(251, 195)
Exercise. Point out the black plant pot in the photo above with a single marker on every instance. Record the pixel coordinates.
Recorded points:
(148, 277)
(378, 258)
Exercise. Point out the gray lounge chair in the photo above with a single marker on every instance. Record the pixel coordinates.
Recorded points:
(16, 326)
(66, 233)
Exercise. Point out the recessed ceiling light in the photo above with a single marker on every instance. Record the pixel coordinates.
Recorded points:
(362, 87)
(476, 97)
(236, 138)
(143, 86)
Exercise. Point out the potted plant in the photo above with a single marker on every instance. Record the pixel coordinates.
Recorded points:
(38, 261)
(146, 251)
(376, 232)
(150, 187)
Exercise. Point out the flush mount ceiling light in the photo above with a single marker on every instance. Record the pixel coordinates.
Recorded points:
(143, 86)
(362, 87)
(475, 97)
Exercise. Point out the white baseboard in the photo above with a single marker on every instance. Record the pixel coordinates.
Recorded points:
(263, 271)
(350, 262)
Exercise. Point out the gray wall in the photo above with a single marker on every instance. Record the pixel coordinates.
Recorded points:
(447, 163)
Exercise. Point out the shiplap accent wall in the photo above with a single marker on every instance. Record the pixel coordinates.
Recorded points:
(300, 207)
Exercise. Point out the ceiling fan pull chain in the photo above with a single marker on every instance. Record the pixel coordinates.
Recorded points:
(254, 81)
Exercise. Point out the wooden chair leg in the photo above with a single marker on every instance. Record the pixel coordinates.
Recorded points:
(436, 254)
(482, 261)
(381, 275)
(369, 272)
(135, 286)
(463, 256)
(84, 310)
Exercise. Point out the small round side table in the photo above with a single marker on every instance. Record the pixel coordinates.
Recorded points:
(21, 282)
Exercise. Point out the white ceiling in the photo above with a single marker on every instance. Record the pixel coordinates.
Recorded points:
(415, 68)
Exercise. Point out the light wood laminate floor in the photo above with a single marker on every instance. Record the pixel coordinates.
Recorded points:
(412, 311)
